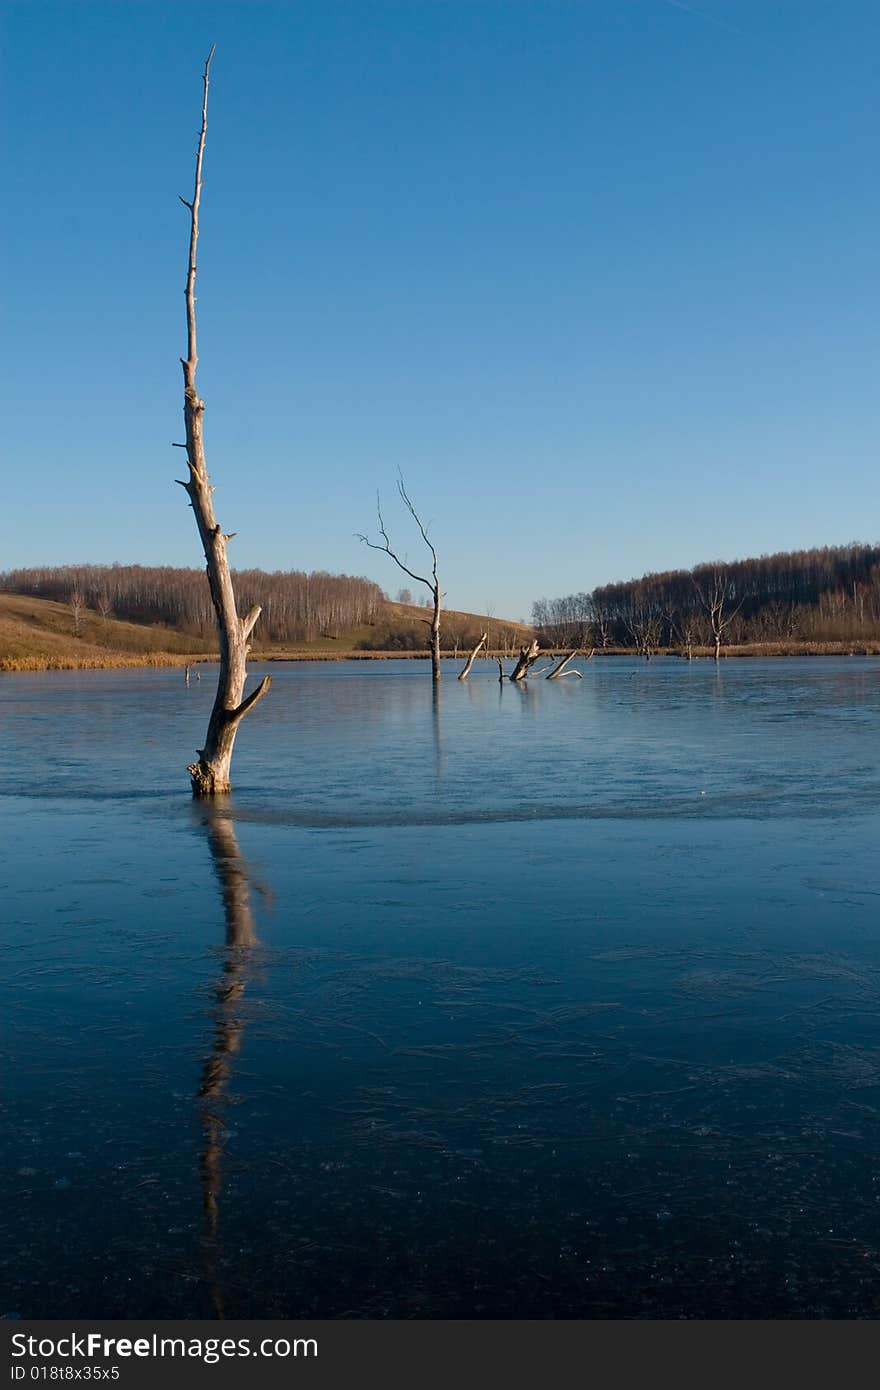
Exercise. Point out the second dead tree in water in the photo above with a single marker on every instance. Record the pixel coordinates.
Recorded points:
(432, 584)
(210, 775)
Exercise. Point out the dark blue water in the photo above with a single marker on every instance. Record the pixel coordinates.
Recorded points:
(560, 1001)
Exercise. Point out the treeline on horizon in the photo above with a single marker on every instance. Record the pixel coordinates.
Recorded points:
(824, 595)
(297, 607)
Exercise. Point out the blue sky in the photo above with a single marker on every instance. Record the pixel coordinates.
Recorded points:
(600, 277)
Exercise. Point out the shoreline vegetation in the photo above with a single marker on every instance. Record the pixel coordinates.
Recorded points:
(811, 601)
(104, 617)
(113, 661)
(40, 633)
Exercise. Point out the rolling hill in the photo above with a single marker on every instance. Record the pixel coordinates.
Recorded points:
(41, 634)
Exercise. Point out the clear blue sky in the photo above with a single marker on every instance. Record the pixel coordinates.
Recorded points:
(600, 277)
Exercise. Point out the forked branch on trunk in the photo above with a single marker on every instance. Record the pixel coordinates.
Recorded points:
(473, 656)
(432, 584)
(210, 774)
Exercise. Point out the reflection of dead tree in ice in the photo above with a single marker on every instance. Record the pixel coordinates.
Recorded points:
(473, 656)
(437, 732)
(241, 936)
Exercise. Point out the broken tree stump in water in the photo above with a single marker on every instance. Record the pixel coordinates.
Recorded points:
(527, 658)
(559, 668)
(471, 659)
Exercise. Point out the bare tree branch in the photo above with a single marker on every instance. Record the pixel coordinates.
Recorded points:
(252, 699)
(432, 585)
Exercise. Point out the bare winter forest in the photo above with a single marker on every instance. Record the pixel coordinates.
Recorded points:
(297, 607)
(811, 596)
(826, 595)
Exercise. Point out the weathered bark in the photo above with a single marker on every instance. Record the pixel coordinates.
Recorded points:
(527, 658)
(473, 656)
(559, 668)
(435, 637)
(502, 675)
(210, 775)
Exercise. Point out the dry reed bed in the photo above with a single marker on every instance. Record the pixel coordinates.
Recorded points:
(121, 660)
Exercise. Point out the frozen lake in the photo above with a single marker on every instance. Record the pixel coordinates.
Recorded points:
(517, 1002)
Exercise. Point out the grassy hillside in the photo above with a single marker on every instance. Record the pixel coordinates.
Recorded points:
(403, 628)
(39, 634)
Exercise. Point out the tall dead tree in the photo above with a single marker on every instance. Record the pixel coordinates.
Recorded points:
(210, 775)
(432, 584)
(716, 592)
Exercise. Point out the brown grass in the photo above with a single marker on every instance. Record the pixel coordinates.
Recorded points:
(38, 635)
(869, 647)
(108, 662)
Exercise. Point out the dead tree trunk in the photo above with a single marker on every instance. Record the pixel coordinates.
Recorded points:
(559, 668)
(472, 658)
(527, 658)
(210, 775)
(435, 630)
